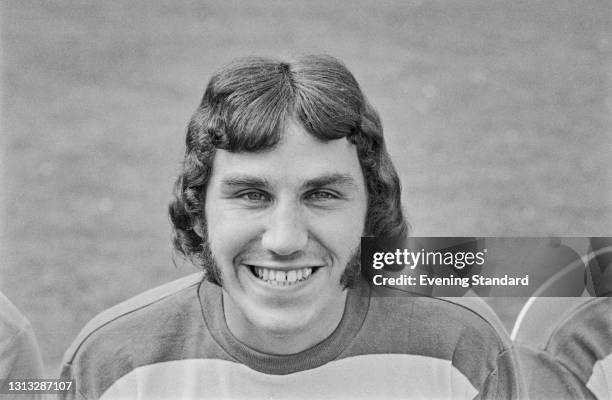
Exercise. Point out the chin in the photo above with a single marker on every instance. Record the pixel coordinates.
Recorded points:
(283, 323)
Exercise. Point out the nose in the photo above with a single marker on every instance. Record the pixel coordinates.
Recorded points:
(286, 232)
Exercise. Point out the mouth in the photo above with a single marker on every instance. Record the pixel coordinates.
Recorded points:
(284, 277)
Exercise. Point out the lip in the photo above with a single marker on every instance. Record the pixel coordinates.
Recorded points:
(297, 286)
(283, 267)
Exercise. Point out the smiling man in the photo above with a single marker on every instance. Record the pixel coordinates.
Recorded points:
(282, 226)
(285, 170)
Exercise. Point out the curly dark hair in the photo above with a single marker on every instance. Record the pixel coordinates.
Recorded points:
(244, 109)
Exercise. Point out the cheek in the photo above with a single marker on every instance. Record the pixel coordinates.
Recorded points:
(342, 234)
(228, 235)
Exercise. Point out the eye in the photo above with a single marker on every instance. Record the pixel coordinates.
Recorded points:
(254, 196)
(322, 195)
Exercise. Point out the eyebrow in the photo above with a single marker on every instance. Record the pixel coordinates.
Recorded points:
(245, 180)
(333, 179)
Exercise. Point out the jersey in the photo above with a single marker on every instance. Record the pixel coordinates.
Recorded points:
(173, 342)
(582, 343)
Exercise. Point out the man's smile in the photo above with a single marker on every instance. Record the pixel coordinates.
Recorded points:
(282, 277)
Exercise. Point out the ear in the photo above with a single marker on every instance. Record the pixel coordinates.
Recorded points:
(198, 227)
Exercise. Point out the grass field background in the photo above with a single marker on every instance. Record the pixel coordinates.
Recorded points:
(497, 115)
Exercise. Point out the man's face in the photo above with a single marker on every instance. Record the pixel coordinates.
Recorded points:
(282, 226)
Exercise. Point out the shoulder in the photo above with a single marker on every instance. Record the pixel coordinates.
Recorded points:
(156, 326)
(592, 316)
(457, 333)
(147, 308)
(159, 325)
(12, 321)
(546, 378)
(19, 353)
(449, 318)
(586, 328)
(581, 341)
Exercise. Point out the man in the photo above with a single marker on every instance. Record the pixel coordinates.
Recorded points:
(285, 169)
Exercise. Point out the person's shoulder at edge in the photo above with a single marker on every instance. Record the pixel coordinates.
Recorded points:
(587, 328)
(582, 343)
(591, 316)
(546, 378)
(19, 353)
(11, 318)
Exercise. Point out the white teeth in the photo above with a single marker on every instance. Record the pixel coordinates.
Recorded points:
(282, 278)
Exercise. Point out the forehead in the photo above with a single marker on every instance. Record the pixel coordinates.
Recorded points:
(297, 157)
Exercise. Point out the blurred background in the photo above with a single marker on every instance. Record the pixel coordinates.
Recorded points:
(497, 114)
